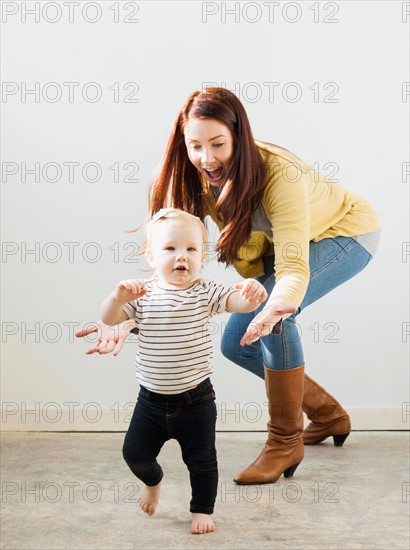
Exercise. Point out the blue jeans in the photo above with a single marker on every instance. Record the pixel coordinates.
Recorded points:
(332, 262)
(188, 417)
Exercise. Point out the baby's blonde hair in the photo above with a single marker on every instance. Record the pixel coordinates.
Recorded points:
(174, 214)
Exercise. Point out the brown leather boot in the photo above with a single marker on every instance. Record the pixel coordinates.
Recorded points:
(284, 449)
(327, 416)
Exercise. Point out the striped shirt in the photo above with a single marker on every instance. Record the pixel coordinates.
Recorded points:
(175, 346)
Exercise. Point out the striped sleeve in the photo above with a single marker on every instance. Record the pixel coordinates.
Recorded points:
(217, 297)
(130, 309)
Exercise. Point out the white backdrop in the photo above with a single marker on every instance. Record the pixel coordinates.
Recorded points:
(89, 94)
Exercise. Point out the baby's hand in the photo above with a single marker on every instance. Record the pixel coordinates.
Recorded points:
(130, 289)
(109, 338)
(252, 291)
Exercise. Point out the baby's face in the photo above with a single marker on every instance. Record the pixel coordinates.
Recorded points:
(176, 251)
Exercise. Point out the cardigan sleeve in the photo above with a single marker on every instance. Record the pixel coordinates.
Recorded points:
(286, 204)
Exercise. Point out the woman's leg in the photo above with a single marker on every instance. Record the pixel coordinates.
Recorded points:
(283, 450)
(332, 262)
(248, 357)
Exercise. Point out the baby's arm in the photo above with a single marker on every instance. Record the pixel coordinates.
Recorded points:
(112, 308)
(251, 295)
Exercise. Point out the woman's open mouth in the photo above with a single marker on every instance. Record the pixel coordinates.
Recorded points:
(214, 176)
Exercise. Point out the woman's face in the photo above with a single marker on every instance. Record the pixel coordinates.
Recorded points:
(210, 148)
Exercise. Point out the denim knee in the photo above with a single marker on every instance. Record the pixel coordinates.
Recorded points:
(230, 349)
(146, 469)
(129, 454)
(134, 459)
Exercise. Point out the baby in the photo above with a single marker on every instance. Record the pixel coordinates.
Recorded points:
(176, 399)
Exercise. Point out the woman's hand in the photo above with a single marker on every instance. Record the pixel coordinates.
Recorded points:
(109, 338)
(252, 291)
(129, 289)
(263, 323)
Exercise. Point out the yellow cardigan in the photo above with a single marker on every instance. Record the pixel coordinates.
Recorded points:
(300, 206)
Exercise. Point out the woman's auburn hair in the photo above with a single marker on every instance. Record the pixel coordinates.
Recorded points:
(243, 189)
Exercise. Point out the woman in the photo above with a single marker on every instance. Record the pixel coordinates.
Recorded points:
(284, 224)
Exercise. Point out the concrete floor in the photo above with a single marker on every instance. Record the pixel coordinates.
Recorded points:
(73, 490)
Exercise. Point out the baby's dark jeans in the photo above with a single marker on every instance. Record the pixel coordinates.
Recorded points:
(188, 417)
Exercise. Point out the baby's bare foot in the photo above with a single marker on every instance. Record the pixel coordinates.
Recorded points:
(149, 498)
(202, 523)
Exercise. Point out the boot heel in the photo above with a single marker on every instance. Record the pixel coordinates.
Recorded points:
(340, 439)
(291, 470)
